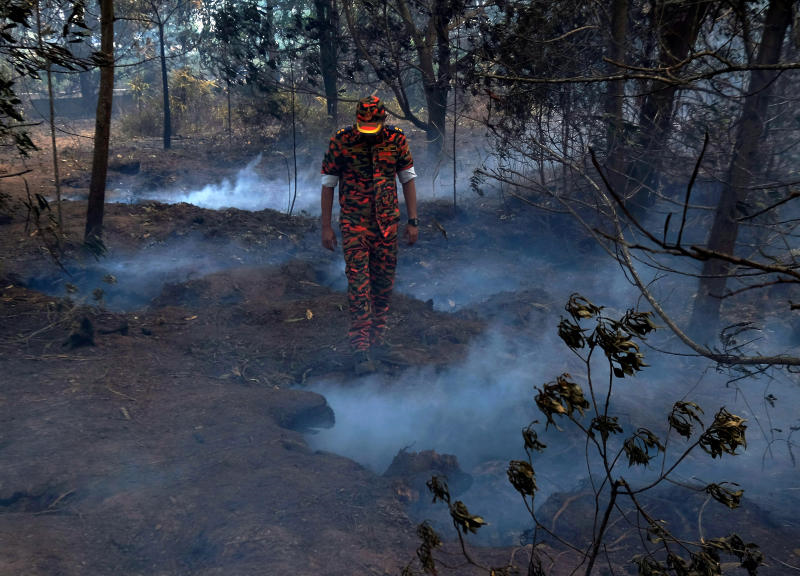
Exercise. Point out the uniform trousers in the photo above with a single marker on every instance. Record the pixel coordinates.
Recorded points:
(370, 257)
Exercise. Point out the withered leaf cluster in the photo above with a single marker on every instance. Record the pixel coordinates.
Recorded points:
(749, 554)
(606, 425)
(730, 497)
(682, 415)
(621, 350)
(430, 540)
(438, 487)
(702, 563)
(522, 477)
(639, 447)
(581, 308)
(531, 439)
(649, 566)
(462, 519)
(725, 434)
(614, 337)
(562, 397)
(706, 561)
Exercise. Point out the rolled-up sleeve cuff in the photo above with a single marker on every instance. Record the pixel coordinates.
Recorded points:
(407, 175)
(330, 180)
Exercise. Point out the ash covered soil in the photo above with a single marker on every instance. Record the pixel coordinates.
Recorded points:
(154, 422)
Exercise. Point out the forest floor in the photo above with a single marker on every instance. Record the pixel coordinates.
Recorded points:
(168, 436)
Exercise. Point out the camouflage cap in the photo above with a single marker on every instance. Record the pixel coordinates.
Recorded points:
(370, 115)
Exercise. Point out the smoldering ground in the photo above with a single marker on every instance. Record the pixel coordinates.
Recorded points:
(476, 410)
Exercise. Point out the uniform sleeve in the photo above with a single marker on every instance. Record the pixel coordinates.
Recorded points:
(404, 160)
(329, 166)
(407, 175)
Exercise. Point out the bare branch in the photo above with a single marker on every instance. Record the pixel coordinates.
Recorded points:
(16, 173)
(689, 190)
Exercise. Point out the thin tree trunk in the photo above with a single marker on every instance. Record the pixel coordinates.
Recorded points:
(455, 121)
(328, 22)
(615, 162)
(165, 89)
(51, 101)
(86, 79)
(679, 26)
(294, 140)
(102, 128)
(455, 148)
(745, 163)
(230, 125)
(56, 176)
(566, 101)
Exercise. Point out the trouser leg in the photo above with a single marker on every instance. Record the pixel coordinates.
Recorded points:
(382, 266)
(355, 246)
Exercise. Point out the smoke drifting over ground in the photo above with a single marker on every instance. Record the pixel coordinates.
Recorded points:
(129, 281)
(476, 409)
(250, 190)
(253, 189)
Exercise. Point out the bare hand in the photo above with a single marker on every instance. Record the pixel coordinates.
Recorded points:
(329, 238)
(412, 234)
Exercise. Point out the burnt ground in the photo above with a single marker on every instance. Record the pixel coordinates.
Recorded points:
(169, 437)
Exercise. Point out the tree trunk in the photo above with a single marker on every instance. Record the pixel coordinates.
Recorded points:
(51, 102)
(436, 98)
(87, 80)
(56, 175)
(230, 124)
(88, 85)
(615, 97)
(102, 128)
(433, 53)
(744, 163)
(165, 89)
(678, 25)
(328, 22)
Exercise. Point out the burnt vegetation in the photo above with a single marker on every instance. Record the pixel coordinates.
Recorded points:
(661, 136)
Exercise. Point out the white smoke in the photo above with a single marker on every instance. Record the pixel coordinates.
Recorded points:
(250, 190)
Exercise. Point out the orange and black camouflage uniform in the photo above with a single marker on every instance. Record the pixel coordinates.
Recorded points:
(369, 219)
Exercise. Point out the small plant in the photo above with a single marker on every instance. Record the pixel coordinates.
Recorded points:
(610, 448)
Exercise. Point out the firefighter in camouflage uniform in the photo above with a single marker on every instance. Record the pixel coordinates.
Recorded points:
(364, 160)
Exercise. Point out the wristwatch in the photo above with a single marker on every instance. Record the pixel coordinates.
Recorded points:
(413, 222)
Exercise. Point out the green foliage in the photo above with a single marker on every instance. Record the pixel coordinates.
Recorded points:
(24, 58)
(13, 15)
(194, 103)
(239, 42)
